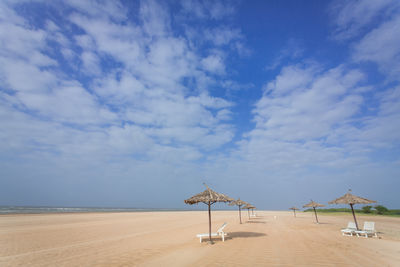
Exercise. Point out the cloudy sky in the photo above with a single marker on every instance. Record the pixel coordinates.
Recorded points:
(137, 103)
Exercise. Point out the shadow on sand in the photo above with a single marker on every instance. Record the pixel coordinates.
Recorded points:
(256, 222)
(233, 235)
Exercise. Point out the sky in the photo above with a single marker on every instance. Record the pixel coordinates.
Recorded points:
(138, 103)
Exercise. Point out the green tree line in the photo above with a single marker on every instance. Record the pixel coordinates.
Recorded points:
(378, 209)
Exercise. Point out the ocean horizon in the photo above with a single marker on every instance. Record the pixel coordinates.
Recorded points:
(54, 209)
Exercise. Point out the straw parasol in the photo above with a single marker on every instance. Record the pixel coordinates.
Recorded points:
(294, 210)
(208, 197)
(252, 210)
(238, 203)
(313, 205)
(351, 199)
(248, 207)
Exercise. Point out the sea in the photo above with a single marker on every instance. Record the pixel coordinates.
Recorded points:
(39, 210)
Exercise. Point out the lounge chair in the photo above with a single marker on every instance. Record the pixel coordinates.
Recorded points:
(350, 230)
(369, 230)
(220, 232)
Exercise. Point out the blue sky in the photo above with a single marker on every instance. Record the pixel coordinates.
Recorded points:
(105, 103)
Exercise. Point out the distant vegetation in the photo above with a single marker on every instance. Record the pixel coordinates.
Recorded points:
(367, 209)
(376, 210)
(381, 209)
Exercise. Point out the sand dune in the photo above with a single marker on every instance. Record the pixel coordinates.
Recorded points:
(168, 239)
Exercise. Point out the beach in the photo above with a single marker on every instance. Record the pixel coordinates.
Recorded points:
(274, 238)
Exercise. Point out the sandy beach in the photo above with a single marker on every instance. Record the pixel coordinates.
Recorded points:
(168, 239)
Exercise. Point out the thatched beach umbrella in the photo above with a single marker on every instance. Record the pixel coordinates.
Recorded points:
(252, 210)
(208, 197)
(313, 205)
(249, 207)
(351, 199)
(294, 210)
(238, 203)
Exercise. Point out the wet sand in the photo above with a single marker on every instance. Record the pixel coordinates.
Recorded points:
(168, 239)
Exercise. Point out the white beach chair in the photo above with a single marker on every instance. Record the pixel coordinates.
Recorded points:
(350, 230)
(220, 233)
(369, 230)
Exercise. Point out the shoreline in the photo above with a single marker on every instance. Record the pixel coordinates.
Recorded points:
(133, 210)
(14, 210)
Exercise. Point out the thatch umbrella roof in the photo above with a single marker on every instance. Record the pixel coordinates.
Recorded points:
(208, 197)
(239, 203)
(294, 210)
(351, 199)
(249, 206)
(314, 205)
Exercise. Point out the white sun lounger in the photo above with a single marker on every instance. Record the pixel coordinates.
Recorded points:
(220, 233)
(350, 230)
(369, 230)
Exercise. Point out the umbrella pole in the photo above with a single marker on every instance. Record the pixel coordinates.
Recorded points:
(354, 216)
(248, 213)
(294, 213)
(240, 215)
(209, 221)
(316, 217)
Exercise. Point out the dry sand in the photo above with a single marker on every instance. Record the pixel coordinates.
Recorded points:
(168, 239)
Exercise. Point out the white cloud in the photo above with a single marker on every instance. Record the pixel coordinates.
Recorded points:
(138, 107)
(215, 10)
(294, 49)
(299, 77)
(222, 35)
(129, 140)
(68, 54)
(381, 130)
(119, 88)
(213, 64)
(220, 9)
(374, 27)
(85, 41)
(224, 114)
(381, 46)
(352, 17)
(301, 97)
(232, 85)
(209, 102)
(69, 103)
(156, 22)
(21, 76)
(120, 42)
(28, 71)
(23, 43)
(8, 14)
(91, 63)
(104, 9)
